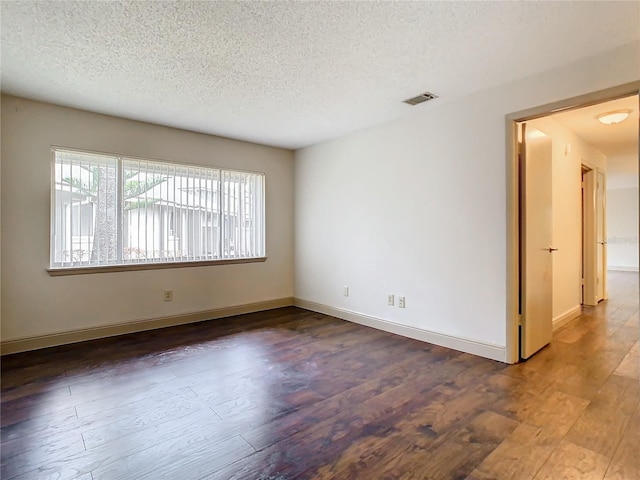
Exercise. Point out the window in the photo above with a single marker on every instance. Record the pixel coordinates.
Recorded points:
(111, 210)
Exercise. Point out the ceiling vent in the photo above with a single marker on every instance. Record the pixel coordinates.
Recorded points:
(423, 97)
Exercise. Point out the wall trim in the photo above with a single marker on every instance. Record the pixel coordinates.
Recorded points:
(622, 269)
(566, 317)
(81, 335)
(486, 350)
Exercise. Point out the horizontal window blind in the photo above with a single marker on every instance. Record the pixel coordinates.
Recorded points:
(110, 210)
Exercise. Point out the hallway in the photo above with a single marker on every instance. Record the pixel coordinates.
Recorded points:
(581, 417)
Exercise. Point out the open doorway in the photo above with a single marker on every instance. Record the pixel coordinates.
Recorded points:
(610, 213)
(594, 283)
(575, 151)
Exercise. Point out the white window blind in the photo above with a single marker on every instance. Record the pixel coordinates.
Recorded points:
(110, 210)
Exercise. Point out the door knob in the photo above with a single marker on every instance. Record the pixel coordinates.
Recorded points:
(551, 249)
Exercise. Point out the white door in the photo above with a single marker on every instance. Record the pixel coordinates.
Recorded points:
(535, 243)
(589, 238)
(601, 242)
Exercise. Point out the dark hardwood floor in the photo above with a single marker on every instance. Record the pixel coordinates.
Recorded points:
(290, 394)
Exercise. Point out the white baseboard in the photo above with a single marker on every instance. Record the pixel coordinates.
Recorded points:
(486, 350)
(473, 347)
(73, 336)
(566, 317)
(622, 269)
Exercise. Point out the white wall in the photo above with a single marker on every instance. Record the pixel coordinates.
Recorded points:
(567, 210)
(417, 207)
(36, 304)
(622, 229)
(622, 170)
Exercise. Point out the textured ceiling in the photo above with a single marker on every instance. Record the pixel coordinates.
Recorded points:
(289, 74)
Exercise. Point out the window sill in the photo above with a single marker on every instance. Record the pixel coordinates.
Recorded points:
(61, 271)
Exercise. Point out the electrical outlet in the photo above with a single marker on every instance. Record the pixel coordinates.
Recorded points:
(168, 295)
(401, 302)
(390, 299)
(345, 291)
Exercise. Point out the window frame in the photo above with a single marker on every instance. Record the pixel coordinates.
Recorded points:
(56, 270)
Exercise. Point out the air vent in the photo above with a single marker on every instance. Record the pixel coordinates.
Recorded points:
(423, 97)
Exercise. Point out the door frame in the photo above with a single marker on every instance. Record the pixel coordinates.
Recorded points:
(592, 217)
(601, 216)
(589, 249)
(512, 353)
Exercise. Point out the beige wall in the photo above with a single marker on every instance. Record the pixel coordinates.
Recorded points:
(569, 151)
(35, 304)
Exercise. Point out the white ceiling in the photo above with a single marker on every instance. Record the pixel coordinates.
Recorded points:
(289, 74)
(612, 140)
(618, 142)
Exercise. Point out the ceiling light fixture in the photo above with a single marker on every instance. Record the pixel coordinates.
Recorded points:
(611, 118)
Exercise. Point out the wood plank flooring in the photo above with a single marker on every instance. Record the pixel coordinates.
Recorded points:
(292, 394)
